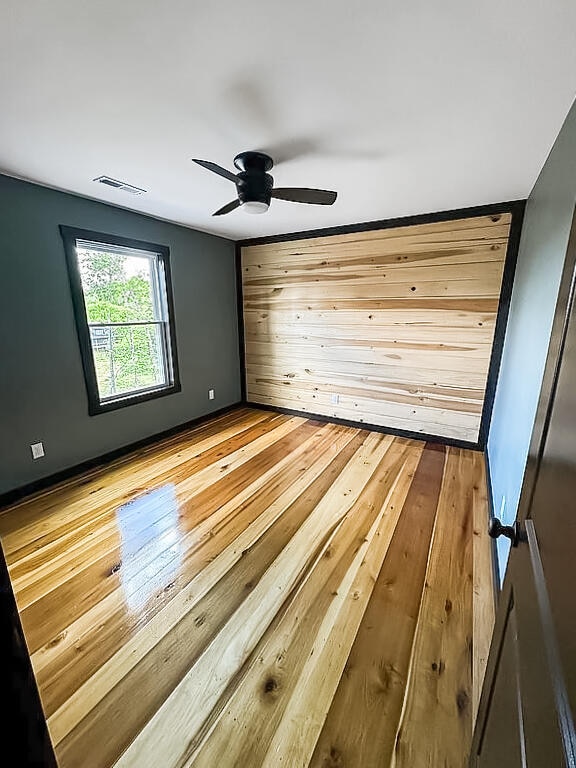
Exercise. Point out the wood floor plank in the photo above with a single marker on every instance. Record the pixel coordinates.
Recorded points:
(306, 489)
(261, 590)
(268, 678)
(484, 607)
(42, 622)
(64, 501)
(218, 542)
(74, 524)
(298, 731)
(66, 550)
(436, 723)
(150, 682)
(374, 679)
(175, 724)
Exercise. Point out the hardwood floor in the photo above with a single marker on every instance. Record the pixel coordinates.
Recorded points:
(262, 590)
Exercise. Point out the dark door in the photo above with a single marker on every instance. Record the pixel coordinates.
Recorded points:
(24, 732)
(525, 716)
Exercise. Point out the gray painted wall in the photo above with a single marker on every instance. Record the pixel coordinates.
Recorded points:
(543, 245)
(42, 392)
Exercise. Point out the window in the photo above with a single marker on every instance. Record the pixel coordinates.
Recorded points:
(123, 305)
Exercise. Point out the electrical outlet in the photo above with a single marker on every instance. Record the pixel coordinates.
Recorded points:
(37, 450)
(211, 394)
(335, 399)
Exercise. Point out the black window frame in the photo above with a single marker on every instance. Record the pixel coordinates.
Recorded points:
(70, 235)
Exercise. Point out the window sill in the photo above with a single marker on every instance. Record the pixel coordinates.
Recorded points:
(97, 407)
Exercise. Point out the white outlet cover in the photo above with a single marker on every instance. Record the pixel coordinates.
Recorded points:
(211, 394)
(335, 399)
(37, 450)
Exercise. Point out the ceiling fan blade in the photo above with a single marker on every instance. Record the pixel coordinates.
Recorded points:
(227, 208)
(216, 169)
(304, 195)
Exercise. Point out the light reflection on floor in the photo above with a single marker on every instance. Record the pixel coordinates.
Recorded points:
(150, 544)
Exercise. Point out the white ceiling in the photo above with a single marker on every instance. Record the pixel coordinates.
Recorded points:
(402, 107)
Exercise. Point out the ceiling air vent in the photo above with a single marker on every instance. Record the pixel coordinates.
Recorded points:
(122, 185)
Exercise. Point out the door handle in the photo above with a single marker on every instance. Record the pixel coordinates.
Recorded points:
(512, 532)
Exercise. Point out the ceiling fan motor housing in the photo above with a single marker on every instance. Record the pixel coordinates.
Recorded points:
(254, 187)
(253, 182)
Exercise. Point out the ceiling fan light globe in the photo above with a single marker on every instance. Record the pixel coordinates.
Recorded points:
(255, 206)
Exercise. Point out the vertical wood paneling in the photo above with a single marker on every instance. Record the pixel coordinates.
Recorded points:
(390, 327)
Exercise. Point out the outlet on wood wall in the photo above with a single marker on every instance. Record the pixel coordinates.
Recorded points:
(392, 327)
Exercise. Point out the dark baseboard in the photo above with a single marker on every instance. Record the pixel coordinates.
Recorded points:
(495, 563)
(371, 427)
(11, 497)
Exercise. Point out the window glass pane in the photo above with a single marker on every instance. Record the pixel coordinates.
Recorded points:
(128, 358)
(118, 288)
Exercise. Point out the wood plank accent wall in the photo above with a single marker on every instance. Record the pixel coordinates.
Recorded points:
(391, 327)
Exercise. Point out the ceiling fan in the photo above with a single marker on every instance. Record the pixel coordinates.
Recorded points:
(255, 186)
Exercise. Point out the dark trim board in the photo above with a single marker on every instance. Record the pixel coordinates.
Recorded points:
(495, 561)
(11, 497)
(514, 207)
(240, 310)
(365, 425)
(501, 320)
